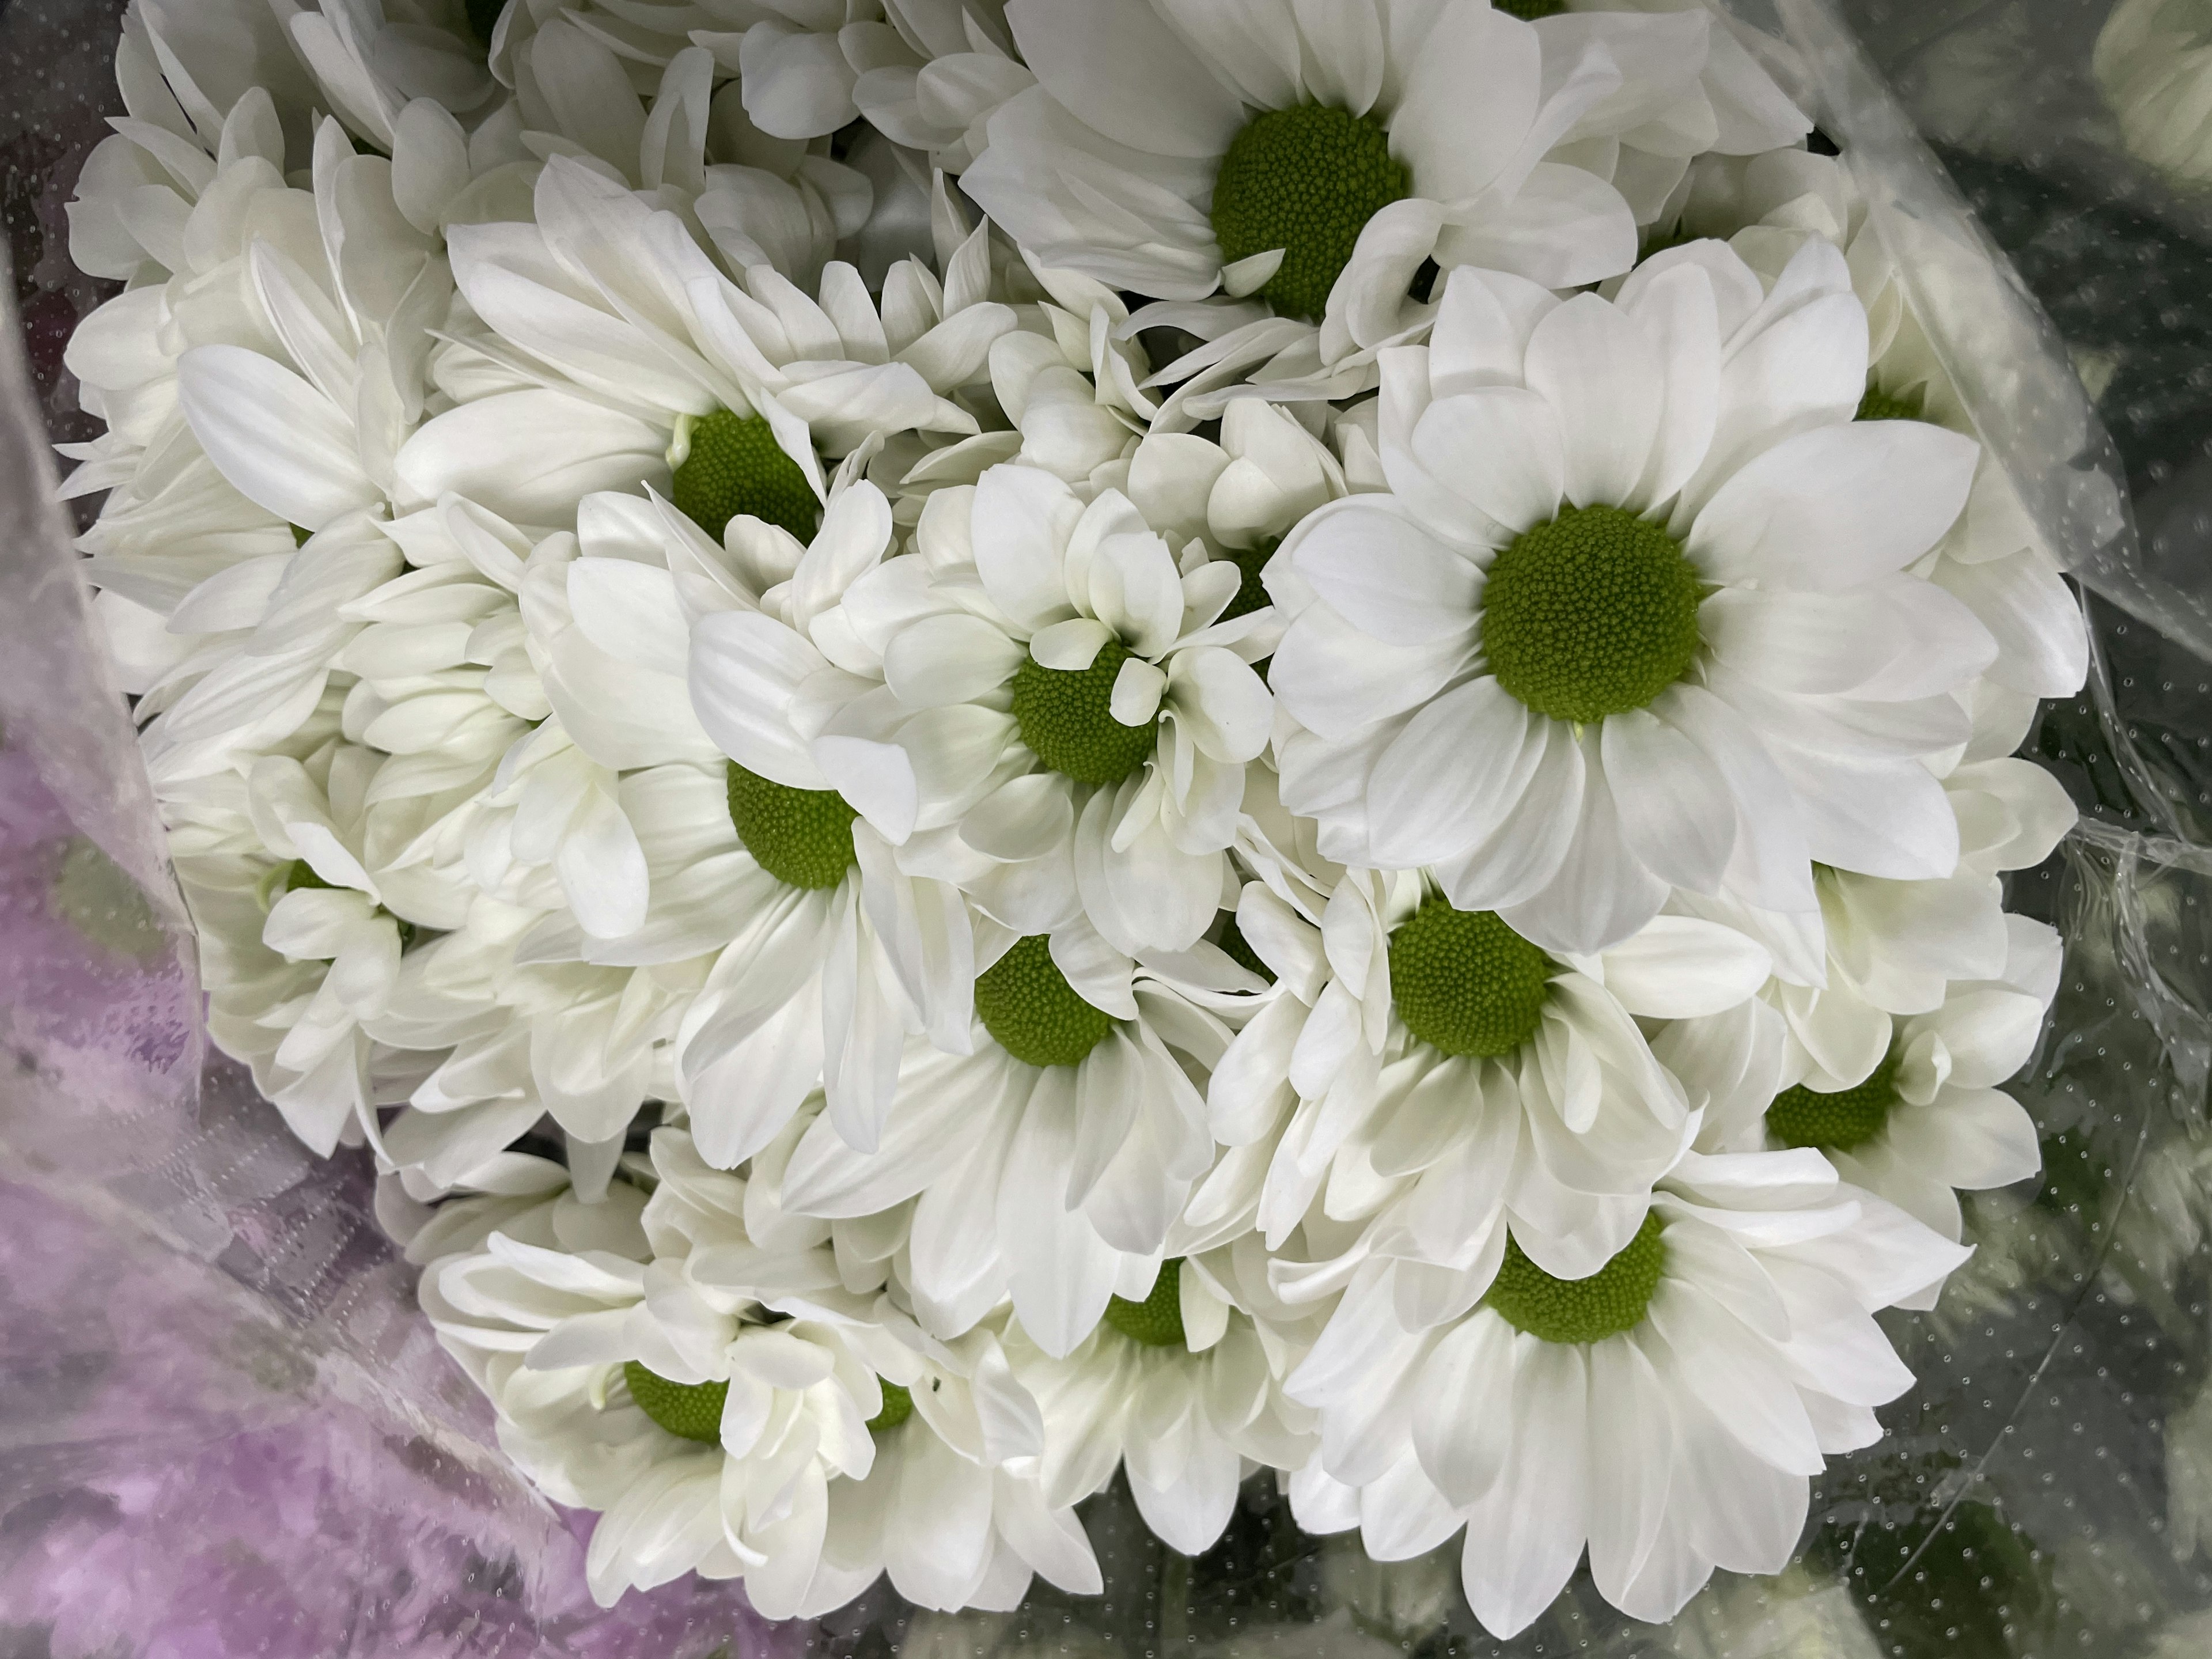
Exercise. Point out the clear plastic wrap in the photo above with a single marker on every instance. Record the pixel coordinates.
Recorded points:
(224, 1428)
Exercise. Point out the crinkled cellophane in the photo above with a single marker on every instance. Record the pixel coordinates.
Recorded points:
(224, 1429)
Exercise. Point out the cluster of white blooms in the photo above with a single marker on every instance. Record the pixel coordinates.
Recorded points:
(990, 741)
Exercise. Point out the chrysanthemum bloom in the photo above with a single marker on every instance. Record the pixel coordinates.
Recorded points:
(1049, 1164)
(1928, 1121)
(1315, 157)
(248, 398)
(1668, 1411)
(1440, 1072)
(1635, 613)
(1994, 560)
(736, 1411)
(286, 870)
(645, 355)
(1069, 695)
(1180, 1388)
(1881, 950)
(713, 676)
(2153, 64)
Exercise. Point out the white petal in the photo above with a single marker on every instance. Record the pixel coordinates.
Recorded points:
(1600, 373)
(1835, 507)
(283, 444)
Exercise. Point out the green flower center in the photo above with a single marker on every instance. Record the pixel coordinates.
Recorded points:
(1465, 982)
(690, 1410)
(1066, 717)
(1305, 180)
(1880, 405)
(1610, 1301)
(898, 1405)
(1239, 949)
(1157, 1321)
(1530, 10)
(1593, 614)
(1841, 1120)
(484, 18)
(1251, 592)
(735, 465)
(803, 837)
(1031, 1010)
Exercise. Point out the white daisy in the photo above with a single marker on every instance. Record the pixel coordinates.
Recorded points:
(1994, 560)
(1180, 1388)
(1439, 1071)
(1065, 695)
(309, 425)
(1048, 1165)
(301, 928)
(194, 549)
(1668, 1411)
(714, 679)
(1153, 155)
(643, 352)
(1881, 949)
(1928, 1121)
(1631, 618)
(737, 1412)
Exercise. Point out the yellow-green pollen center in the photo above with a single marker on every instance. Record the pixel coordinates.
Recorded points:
(1593, 614)
(1031, 1010)
(690, 1410)
(1066, 717)
(1839, 1121)
(1306, 181)
(898, 1405)
(1880, 405)
(803, 837)
(1610, 1301)
(1465, 982)
(1157, 1321)
(1251, 592)
(693, 1410)
(735, 465)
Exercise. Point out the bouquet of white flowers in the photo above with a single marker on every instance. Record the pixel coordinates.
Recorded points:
(996, 742)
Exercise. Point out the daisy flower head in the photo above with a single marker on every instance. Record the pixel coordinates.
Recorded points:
(1315, 156)
(1049, 1164)
(1880, 951)
(1929, 1120)
(1430, 1068)
(1070, 696)
(1666, 1412)
(715, 679)
(727, 1401)
(1633, 615)
(1994, 560)
(284, 866)
(1182, 1387)
(640, 362)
